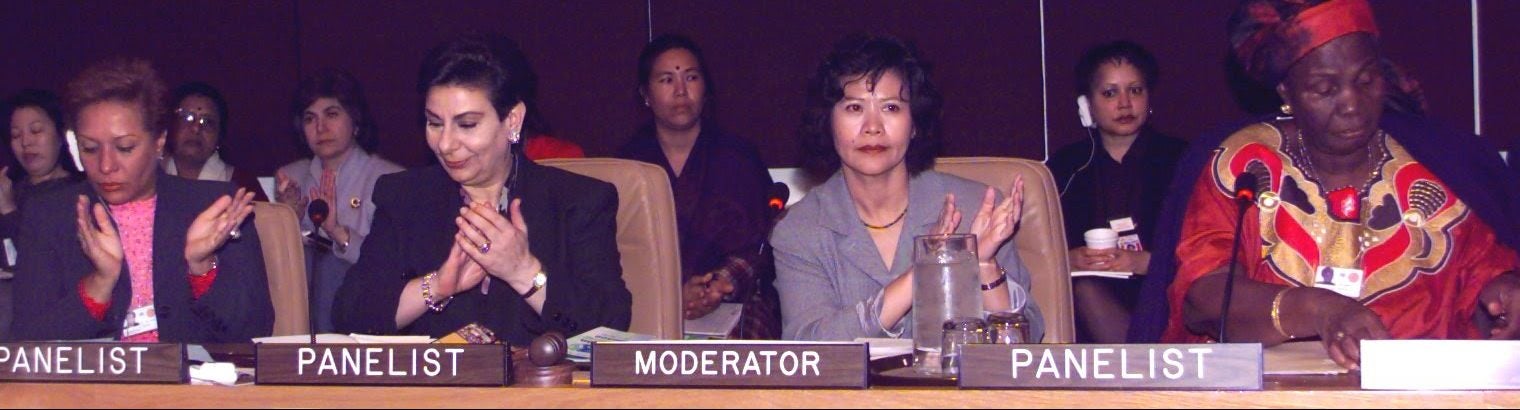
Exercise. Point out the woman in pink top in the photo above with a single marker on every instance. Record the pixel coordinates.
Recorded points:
(135, 255)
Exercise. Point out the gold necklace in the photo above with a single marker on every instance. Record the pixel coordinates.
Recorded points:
(887, 226)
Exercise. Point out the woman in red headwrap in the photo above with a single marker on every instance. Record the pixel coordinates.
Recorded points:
(1369, 223)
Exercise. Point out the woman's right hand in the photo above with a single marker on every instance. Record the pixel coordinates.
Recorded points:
(288, 192)
(458, 273)
(1088, 259)
(101, 244)
(7, 192)
(1343, 324)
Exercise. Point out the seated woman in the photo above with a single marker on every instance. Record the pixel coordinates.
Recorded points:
(1114, 179)
(450, 244)
(720, 187)
(136, 255)
(844, 264)
(334, 126)
(1370, 223)
(196, 135)
(42, 155)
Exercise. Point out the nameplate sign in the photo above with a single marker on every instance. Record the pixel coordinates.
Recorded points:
(93, 362)
(1112, 367)
(729, 364)
(383, 365)
(1440, 365)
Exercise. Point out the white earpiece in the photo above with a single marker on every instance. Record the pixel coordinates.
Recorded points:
(1084, 111)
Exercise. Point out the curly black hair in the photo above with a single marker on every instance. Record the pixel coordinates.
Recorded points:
(869, 56)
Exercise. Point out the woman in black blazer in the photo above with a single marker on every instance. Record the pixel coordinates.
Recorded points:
(450, 244)
(136, 255)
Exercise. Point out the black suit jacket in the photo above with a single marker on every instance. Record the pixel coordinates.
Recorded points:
(51, 263)
(572, 227)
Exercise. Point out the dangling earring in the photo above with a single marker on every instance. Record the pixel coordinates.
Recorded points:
(516, 136)
(1287, 109)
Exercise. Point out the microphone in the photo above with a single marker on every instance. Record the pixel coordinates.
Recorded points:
(778, 195)
(317, 211)
(1248, 186)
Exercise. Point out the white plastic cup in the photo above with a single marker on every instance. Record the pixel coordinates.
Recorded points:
(1101, 238)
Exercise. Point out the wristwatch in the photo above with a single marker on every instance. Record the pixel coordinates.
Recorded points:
(539, 281)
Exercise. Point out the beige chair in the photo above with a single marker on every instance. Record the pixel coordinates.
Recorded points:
(1041, 239)
(285, 265)
(646, 237)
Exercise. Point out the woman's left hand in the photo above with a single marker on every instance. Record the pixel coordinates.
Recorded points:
(1501, 300)
(499, 244)
(993, 225)
(214, 227)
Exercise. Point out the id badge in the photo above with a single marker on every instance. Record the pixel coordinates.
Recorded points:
(1345, 281)
(1130, 243)
(139, 321)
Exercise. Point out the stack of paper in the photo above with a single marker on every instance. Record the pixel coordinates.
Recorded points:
(1300, 358)
(580, 345)
(716, 325)
(881, 348)
(1103, 274)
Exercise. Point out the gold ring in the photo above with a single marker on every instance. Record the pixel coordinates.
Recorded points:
(1340, 335)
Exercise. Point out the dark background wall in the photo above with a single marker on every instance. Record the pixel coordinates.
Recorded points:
(986, 54)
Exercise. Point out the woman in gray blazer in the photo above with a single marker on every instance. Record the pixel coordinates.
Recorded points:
(844, 253)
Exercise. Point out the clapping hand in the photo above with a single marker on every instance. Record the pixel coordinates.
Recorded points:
(98, 238)
(993, 225)
(214, 227)
(499, 244)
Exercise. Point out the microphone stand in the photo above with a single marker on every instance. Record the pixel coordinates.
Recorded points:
(316, 212)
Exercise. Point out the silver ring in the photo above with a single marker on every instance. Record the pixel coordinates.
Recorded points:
(235, 233)
(485, 247)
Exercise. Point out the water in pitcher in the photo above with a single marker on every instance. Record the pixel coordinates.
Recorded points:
(945, 286)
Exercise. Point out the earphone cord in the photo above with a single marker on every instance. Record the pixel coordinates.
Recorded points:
(1090, 154)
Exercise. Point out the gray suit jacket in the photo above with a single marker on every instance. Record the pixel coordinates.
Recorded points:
(830, 274)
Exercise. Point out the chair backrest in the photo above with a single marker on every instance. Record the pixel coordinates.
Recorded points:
(647, 239)
(285, 265)
(1041, 239)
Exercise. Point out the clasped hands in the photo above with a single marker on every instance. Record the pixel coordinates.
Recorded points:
(488, 244)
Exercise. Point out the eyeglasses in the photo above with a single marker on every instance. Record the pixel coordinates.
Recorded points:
(187, 117)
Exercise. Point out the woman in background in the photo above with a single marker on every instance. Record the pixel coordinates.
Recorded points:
(1115, 179)
(720, 187)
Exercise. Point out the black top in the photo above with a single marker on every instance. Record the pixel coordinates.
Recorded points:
(10, 224)
(51, 264)
(572, 224)
(1105, 189)
(722, 215)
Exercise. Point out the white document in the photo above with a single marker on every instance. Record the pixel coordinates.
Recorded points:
(881, 347)
(717, 324)
(1300, 358)
(580, 345)
(267, 183)
(1110, 275)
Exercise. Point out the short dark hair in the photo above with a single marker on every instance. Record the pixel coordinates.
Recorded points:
(870, 56)
(477, 62)
(338, 85)
(672, 41)
(1116, 52)
(50, 106)
(198, 88)
(132, 81)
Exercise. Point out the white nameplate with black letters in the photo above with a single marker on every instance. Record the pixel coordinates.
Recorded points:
(1112, 367)
(93, 362)
(729, 364)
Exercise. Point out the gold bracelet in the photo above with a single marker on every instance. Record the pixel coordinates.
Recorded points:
(1277, 313)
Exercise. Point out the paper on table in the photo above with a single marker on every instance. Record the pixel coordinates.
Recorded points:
(1101, 274)
(328, 338)
(881, 348)
(580, 345)
(1300, 358)
(717, 324)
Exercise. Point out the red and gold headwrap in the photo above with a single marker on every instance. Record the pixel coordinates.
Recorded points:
(1268, 36)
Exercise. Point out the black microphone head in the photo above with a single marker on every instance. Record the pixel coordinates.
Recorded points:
(778, 196)
(317, 211)
(1246, 187)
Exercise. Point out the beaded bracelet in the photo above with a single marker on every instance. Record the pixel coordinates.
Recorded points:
(427, 294)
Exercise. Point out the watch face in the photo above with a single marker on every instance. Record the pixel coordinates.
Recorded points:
(540, 280)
